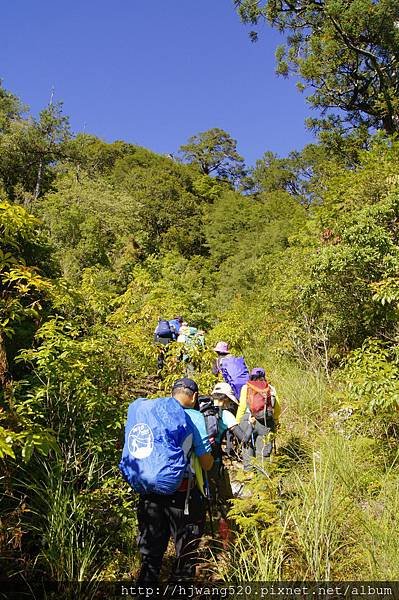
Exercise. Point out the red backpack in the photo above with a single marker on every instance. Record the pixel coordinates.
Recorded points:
(259, 398)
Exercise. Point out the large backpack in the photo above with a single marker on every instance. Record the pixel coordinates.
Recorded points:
(235, 372)
(163, 332)
(187, 335)
(158, 438)
(174, 325)
(211, 415)
(259, 400)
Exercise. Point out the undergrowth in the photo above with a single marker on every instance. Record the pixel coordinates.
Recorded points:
(326, 506)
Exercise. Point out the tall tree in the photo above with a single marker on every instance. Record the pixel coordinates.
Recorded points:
(29, 148)
(10, 108)
(214, 152)
(52, 131)
(346, 51)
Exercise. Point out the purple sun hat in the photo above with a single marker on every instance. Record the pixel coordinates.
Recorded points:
(222, 348)
(258, 372)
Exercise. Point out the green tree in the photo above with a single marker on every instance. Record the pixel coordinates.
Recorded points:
(10, 109)
(92, 155)
(301, 174)
(345, 52)
(29, 150)
(23, 288)
(167, 202)
(52, 132)
(89, 222)
(355, 259)
(214, 152)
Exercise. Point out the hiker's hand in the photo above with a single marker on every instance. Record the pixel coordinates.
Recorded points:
(252, 420)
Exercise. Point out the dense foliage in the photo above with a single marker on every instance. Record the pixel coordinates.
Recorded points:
(299, 272)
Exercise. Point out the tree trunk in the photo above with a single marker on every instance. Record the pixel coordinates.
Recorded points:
(39, 179)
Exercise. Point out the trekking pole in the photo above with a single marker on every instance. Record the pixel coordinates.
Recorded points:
(211, 518)
(208, 501)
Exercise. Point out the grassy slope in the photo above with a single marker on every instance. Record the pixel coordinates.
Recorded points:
(330, 506)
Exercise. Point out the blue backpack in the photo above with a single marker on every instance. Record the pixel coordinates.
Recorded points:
(163, 333)
(175, 325)
(235, 372)
(158, 437)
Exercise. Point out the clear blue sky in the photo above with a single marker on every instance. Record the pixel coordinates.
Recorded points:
(152, 72)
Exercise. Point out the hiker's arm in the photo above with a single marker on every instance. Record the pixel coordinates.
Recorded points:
(206, 461)
(240, 431)
(201, 445)
(242, 406)
(241, 434)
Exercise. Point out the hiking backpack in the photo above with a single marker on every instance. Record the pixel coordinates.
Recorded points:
(187, 335)
(174, 325)
(260, 400)
(235, 372)
(211, 415)
(158, 438)
(163, 332)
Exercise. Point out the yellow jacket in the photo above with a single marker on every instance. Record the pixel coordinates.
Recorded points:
(242, 406)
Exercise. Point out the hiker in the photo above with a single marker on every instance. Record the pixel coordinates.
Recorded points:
(166, 332)
(232, 368)
(163, 333)
(222, 350)
(192, 338)
(222, 424)
(166, 445)
(200, 339)
(260, 409)
(175, 324)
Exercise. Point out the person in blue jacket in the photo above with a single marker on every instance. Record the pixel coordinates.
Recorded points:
(162, 516)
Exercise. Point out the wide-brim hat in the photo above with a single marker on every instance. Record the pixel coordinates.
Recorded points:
(222, 347)
(224, 389)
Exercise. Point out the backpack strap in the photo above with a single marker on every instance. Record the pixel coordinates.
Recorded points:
(265, 393)
(229, 442)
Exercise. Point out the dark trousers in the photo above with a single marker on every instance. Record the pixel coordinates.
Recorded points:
(257, 446)
(160, 517)
(220, 485)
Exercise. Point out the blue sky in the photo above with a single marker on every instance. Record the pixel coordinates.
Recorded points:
(152, 72)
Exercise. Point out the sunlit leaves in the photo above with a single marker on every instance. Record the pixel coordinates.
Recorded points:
(345, 53)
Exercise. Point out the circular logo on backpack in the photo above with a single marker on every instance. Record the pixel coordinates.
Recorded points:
(140, 441)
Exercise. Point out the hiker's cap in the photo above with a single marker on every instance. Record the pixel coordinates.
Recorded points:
(222, 347)
(258, 372)
(185, 382)
(224, 388)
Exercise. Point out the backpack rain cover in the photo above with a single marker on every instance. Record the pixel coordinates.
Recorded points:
(235, 372)
(158, 436)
